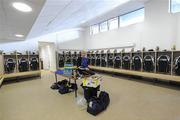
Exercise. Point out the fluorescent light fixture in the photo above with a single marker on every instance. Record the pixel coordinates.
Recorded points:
(22, 7)
(19, 35)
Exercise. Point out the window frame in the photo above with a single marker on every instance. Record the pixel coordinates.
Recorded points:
(113, 19)
(92, 29)
(171, 7)
(106, 26)
(130, 13)
(119, 22)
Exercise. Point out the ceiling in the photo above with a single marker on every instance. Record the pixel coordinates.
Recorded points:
(55, 15)
(58, 15)
(14, 22)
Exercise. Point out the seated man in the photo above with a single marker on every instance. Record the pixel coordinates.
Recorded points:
(82, 65)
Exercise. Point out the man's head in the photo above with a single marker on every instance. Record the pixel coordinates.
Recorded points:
(83, 54)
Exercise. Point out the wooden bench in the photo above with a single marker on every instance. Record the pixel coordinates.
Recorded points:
(21, 74)
(1, 79)
(4, 77)
(138, 73)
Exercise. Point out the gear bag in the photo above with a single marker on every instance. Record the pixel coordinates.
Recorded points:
(98, 60)
(110, 60)
(148, 63)
(126, 62)
(23, 65)
(63, 87)
(34, 64)
(177, 66)
(117, 62)
(97, 105)
(61, 61)
(163, 63)
(103, 61)
(93, 60)
(137, 60)
(10, 65)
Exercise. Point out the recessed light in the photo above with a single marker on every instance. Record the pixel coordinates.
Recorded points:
(82, 22)
(22, 7)
(19, 35)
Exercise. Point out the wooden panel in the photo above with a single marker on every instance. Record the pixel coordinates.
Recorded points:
(137, 73)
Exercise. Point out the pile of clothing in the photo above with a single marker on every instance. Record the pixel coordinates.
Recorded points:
(64, 86)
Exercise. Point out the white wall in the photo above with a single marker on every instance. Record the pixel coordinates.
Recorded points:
(20, 46)
(178, 32)
(158, 29)
(116, 38)
(27, 45)
(47, 54)
(67, 39)
(71, 39)
(159, 26)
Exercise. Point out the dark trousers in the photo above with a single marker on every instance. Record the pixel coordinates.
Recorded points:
(85, 72)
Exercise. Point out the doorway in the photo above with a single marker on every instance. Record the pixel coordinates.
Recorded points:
(48, 55)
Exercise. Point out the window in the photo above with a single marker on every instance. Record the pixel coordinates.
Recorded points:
(136, 16)
(113, 23)
(94, 29)
(103, 27)
(132, 18)
(174, 6)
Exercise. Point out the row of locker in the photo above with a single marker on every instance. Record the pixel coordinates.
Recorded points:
(166, 62)
(20, 63)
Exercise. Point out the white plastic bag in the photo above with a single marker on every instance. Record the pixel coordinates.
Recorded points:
(81, 102)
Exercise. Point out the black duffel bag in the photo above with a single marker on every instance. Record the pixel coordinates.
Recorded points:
(63, 89)
(90, 93)
(94, 106)
(55, 86)
(97, 105)
(104, 98)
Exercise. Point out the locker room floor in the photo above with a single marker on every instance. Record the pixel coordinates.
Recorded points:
(130, 100)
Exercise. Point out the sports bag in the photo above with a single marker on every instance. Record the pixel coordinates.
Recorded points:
(104, 98)
(97, 105)
(177, 66)
(137, 60)
(94, 106)
(63, 89)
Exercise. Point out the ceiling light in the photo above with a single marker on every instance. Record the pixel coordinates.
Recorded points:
(82, 22)
(22, 7)
(19, 35)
